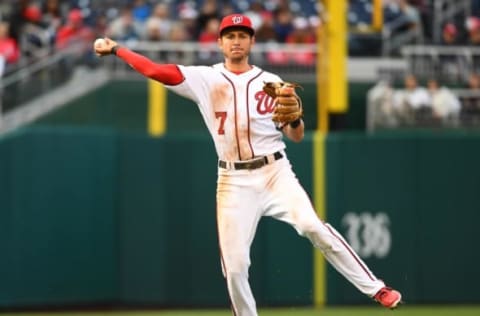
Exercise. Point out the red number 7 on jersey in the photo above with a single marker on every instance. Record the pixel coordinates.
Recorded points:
(222, 116)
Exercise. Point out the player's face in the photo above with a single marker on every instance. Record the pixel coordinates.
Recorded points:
(236, 44)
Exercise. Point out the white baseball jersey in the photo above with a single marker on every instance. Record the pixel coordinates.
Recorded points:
(237, 112)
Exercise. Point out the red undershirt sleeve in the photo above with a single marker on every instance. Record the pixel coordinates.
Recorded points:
(168, 74)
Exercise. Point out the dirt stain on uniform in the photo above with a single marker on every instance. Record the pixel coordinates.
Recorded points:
(245, 150)
(220, 97)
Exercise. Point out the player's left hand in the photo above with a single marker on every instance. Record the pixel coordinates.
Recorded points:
(288, 107)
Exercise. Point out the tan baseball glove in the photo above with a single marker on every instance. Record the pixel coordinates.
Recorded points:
(288, 105)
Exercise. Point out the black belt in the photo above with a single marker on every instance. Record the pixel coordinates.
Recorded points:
(250, 164)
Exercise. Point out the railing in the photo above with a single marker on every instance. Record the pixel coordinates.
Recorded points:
(384, 114)
(442, 11)
(445, 11)
(393, 39)
(36, 88)
(297, 62)
(48, 71)
(450, 64)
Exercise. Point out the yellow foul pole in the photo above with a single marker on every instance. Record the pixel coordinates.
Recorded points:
(332, 97)
(337, 55)
(377, 15)
(157, 109)
(322, 78)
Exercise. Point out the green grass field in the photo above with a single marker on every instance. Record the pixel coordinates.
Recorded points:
(330, 311)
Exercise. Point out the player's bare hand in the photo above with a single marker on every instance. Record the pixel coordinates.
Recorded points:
(103, 46)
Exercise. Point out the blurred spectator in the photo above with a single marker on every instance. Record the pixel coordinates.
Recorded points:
(209, 10)
(474, 82)
(413, 95)
(207, 37)
(141, 10)
(425, 14)
(227, 9)
(409, 14)
(18, 17)
(450, 34)
(52, 15)
(255, 13)
(158, 25)
(8, 46)
(472, 25)
(210, 33)
(283, 25)
(9, 52)
(401, 18)
(302, 34)
(412, 102)
(380, 101)
(188, 17)
(32, 13)
(470, 112)
(266, 32)
(124, 27)
(34, 38)
(100, 25)
(179, 34)
(445, 104)
(74, 31)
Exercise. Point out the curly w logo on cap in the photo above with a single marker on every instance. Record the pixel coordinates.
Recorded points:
(236, 20)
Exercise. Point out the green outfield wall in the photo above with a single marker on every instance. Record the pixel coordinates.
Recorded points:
(57, 218)
(409, 202)
(97, 216)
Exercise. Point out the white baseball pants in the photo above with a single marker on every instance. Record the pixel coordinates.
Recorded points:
(243, 197)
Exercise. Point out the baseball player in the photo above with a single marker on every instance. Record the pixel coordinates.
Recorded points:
(255, 177)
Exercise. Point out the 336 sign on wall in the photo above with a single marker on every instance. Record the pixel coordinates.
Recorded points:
(368, 233)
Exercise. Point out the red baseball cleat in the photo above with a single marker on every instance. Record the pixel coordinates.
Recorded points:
(388, 297)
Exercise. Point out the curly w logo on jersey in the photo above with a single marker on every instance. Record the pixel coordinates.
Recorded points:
(265, 103)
